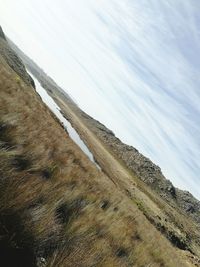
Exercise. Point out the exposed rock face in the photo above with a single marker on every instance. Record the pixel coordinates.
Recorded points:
(13, 60)
(188, 203)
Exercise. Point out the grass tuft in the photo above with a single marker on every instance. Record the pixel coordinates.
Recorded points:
(20, 163)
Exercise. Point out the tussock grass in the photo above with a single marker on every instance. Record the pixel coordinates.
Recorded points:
(56, 208)
(179, 228)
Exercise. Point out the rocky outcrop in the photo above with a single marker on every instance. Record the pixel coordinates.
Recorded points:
(13, 60)
(146, 170)
(188, 203)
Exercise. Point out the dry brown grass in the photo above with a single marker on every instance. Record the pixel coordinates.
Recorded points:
(55, 204)
(180, 229)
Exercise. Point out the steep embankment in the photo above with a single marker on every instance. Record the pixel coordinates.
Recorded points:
(56, 207)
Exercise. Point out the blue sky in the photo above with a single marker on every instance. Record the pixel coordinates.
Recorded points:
(133, 64)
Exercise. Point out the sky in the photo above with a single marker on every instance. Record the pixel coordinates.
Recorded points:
(134, 65)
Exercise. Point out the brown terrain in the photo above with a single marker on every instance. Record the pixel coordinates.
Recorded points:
(58, 209)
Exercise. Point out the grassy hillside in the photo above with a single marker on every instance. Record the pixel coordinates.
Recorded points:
(137, 163)
(175, 213)
(56, 207)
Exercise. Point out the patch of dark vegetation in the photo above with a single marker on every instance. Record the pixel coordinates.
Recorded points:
(121, 253)
(178, 241)
(48, 246)
(6, 145)
(15, 257)
(67, 211)
(5, 139)
(161, 228)
(64, 213)
(104, 204)
(16, 245)
(136, 237)
(32, 82)
(115, 209)
(49, 172)
(21, 163)
(3, 128)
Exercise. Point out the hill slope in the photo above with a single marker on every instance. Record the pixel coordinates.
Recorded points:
(178, 213)
(143, 167)
(56, 207)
